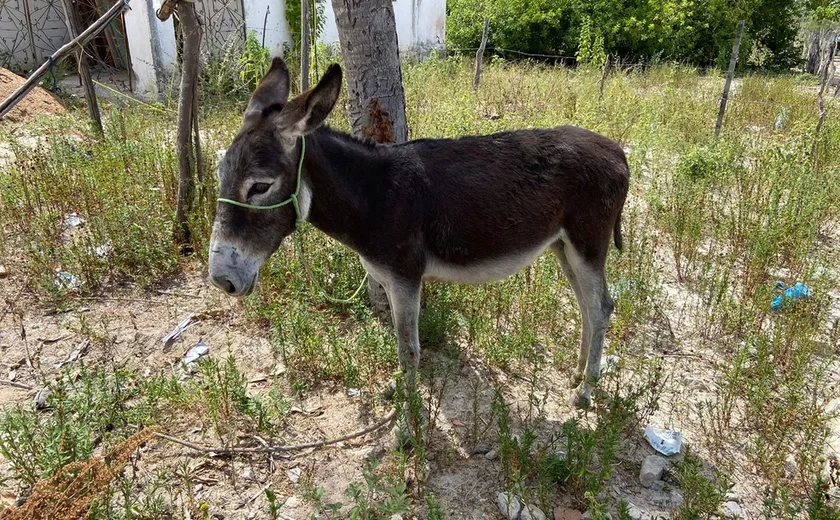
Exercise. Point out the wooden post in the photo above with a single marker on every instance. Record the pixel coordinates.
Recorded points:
(304, 45)
(732, 62)
(603, 80)
(71, 18)
(186, 105)
(824, 75)
(480, 54)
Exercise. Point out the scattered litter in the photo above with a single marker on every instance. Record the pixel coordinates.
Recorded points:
(609, 363)
(103, 250)
(72, 220)
(75, 355)
(458, 422)
(220, 154)
(3, 271)
(754, 128)
(195, 353)
(65, 280)
(354, 392)
(798, 292)
(620, 286)
(179, 329)
(41, 399)
(781, 119)
(666, 442)
(294, 475)
(248, 474)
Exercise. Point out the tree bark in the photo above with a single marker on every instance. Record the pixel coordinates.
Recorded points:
(368, 35)
(304, 45)
(367, 31)
(189, 80)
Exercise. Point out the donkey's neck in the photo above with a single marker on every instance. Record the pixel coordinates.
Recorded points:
(341, 173)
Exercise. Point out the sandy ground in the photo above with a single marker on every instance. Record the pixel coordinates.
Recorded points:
(37, 102)
(465, 484)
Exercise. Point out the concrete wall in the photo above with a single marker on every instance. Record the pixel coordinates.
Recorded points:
(421, 24)
(277, 33)
(151, 44)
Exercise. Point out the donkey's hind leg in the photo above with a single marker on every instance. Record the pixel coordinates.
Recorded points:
(585, 333)
(595, 297)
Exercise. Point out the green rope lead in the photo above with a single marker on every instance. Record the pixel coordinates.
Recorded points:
(293, 199)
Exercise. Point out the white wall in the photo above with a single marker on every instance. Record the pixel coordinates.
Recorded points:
(277, 32)
(420, 24)
(151, 44)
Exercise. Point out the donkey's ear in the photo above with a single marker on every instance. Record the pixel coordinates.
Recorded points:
(306, 112)
(272, 90)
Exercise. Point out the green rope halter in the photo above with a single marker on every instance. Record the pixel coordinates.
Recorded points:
(293, 199)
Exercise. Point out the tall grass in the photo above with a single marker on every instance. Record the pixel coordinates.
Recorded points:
(720, 221)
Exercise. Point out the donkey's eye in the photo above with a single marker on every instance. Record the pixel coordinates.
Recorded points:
(259, 188)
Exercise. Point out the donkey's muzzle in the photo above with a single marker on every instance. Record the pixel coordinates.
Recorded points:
(231, 270)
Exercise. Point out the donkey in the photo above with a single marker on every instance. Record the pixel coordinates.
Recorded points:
(468, 210)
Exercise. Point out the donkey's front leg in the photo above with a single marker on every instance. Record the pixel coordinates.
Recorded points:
(404, 296)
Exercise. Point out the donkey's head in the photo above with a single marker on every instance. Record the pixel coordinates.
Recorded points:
(259, 172)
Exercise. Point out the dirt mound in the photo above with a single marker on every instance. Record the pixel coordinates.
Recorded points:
(38, 101)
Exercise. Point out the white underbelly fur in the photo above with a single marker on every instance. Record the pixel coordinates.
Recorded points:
(486, 270)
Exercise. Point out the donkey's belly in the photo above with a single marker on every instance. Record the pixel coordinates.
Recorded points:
(487, 270)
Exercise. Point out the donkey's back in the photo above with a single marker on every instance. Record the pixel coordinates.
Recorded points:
(494, 202)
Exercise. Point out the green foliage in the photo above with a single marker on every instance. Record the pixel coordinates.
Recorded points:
(702, 494)
(254, 62)
(694, 31)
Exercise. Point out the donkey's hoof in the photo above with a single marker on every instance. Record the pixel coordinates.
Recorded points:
(576, 380)
(580, 399)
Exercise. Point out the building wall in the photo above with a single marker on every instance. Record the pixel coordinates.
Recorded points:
(277, 33)
(151, 44)
(421, 24)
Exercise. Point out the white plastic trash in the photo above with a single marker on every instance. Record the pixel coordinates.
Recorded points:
(666, 442)
(196, 352)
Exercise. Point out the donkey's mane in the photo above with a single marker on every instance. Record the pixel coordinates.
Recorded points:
(344, 136)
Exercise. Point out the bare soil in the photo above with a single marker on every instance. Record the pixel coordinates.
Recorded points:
(37, 102)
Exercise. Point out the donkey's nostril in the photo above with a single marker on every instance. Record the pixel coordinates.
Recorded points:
(224, 284)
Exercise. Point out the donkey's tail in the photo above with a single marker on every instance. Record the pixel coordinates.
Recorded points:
(619, 240)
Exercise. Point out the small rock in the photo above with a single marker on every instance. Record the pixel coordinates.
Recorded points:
(732, 497)
(676, 499)
(509, 505)
(248, 474)
(532, 513)
(3, 271)
(251, 515)
(732, 510)
(390, 391)
(482, 449)
(292, 502)
(376, 453)
(790, 465)
(41, 399)
(634, 512)
(564, 513)
(652, 469)
(658, 486)
(588, 516)
(396, 517)
(294, 475)
(491, 455)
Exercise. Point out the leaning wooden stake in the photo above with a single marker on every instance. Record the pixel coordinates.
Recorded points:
(304, 45)
(829, 64)
(71, 18)
(186, 104)
(59, 55)
(480, 54)
(729, 75)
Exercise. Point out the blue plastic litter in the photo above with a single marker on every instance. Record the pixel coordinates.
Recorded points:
(797, 292)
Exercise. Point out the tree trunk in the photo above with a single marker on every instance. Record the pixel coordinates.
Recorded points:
(368, 35)
(189, 79)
